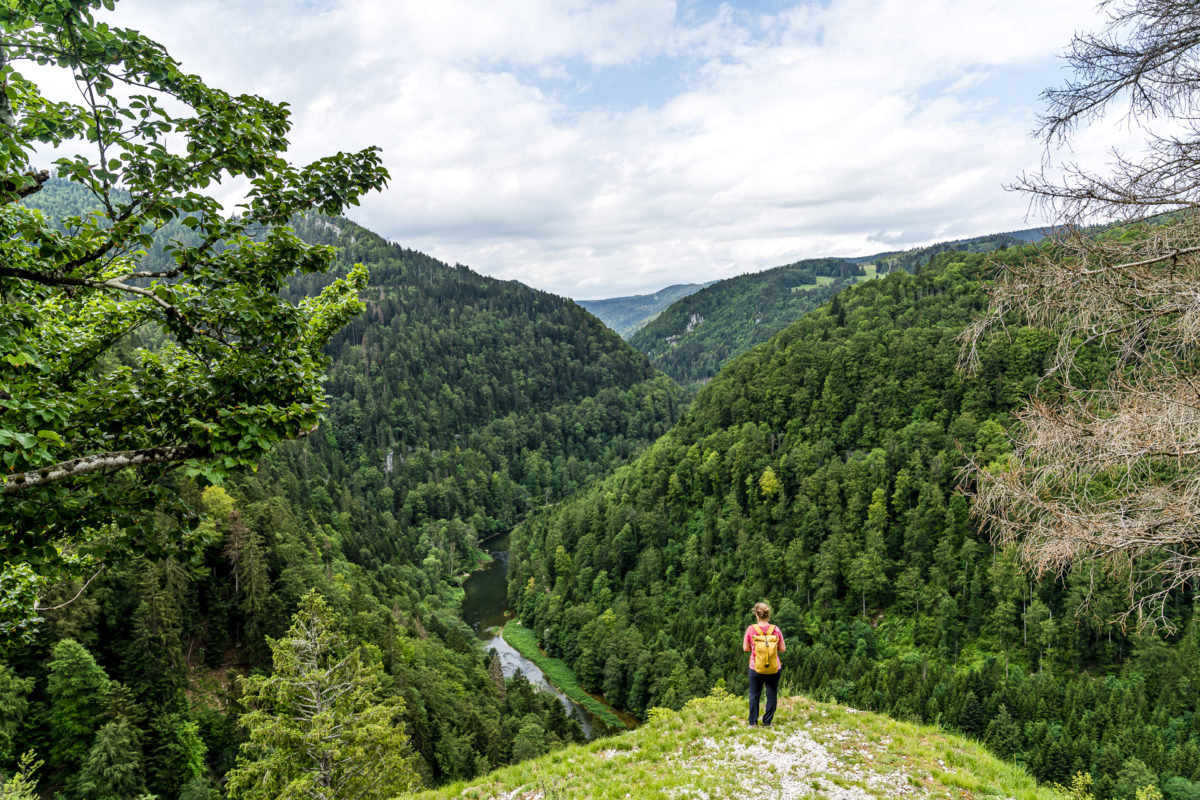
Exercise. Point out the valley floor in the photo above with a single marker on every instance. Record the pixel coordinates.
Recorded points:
(814, 750)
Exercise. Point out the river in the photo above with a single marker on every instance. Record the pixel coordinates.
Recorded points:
(485, 609)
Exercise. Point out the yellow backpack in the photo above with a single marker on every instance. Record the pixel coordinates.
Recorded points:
(766, 648)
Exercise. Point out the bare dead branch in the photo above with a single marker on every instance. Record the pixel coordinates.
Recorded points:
(1105, 466)
(39, 608)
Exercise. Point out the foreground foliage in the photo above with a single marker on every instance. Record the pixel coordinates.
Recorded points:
(92, 412)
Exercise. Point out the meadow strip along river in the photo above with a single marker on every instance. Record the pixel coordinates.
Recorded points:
(485, 609)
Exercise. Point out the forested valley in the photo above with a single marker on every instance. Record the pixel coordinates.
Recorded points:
(822, 470)
(458, 403)
(251, 458)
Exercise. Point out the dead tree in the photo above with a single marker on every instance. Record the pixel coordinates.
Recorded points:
(1106, 460)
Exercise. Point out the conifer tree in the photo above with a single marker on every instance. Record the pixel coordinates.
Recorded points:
(175, 754)
(113, 770)
(1003, 735)
(13, 705)
(155, 659)
(530, 741)
(318, 727)
(76, 686)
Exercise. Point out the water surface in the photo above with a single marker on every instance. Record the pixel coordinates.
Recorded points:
(485, 608)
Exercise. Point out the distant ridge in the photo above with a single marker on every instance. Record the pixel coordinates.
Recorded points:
(629, 314)
(698, 334)
(974, 244)
(626, 315)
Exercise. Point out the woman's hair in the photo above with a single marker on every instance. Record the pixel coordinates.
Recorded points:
(762, 611)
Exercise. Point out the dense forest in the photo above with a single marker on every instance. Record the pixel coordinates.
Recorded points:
(460, 397)
(820, 471)
(457, 404)
(250, 459)
(696, 336)
(692, 338)
(911, 260)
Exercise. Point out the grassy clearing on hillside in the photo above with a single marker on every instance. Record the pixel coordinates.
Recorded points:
(558, 673)
(814, 750)
(825, 280)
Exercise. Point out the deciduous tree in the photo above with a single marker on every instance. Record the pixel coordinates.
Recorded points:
(223, 367)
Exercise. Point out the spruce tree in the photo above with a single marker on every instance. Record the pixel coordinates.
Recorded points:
(318, 727)
(113, 770)
(77, 687)
(13, 705)
(1003, 735)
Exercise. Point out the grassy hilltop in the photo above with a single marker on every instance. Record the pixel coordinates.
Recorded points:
(814, 750)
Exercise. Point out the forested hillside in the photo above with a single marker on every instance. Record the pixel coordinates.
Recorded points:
(626, 315)
(911, 260)
(819, 471)
(460, 397)
(693, 338)
(457, 404)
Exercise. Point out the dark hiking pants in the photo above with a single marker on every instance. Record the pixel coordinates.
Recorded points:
(757, 682)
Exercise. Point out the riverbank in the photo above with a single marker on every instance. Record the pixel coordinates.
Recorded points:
(524, 641)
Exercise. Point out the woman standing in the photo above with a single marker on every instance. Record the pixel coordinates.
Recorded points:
(767, 637)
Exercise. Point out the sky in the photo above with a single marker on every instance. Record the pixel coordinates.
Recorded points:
(599, 149)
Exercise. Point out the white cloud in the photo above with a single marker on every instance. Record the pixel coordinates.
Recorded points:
(797, 134)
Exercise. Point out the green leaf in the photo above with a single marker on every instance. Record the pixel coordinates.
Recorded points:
(51, 435)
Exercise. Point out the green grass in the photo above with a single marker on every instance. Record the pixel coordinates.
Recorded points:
(558, 673)
(825, 280)
(813, 750)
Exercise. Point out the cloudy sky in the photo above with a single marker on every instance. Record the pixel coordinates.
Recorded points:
(597, 149)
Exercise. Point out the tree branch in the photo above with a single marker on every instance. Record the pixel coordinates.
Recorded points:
(37, 608)
(10, 191)
(11, 484)
(55, 279)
